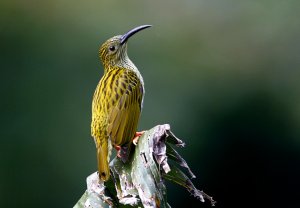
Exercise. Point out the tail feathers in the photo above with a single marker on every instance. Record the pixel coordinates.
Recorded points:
(103, 158)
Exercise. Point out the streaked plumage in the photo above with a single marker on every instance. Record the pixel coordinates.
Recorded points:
(117, 101)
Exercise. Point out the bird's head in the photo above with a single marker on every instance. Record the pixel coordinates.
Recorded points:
(114, 51)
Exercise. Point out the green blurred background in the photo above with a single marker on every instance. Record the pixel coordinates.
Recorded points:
(224, 74)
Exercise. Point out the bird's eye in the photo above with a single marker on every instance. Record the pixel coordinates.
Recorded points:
(112, 48)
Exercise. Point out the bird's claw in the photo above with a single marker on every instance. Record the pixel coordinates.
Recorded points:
(137, 136)
(118, 148)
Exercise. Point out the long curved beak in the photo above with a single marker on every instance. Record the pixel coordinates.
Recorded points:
(130, 33)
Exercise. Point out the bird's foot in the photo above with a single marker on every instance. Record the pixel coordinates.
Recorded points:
(137, 136)
(118, 148)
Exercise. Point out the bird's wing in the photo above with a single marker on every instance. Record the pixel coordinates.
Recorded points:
(125, 107)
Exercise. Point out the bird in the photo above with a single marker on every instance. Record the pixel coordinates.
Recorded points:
(117, 102)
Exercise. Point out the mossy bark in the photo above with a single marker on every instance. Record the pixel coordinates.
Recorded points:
(140, 181)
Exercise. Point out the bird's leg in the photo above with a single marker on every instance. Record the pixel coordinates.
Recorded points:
(137, 136)
(134, 141)
(118, 148)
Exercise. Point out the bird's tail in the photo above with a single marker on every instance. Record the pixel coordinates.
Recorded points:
(103, 155)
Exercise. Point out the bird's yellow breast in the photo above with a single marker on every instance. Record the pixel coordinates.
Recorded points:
(116, 105)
